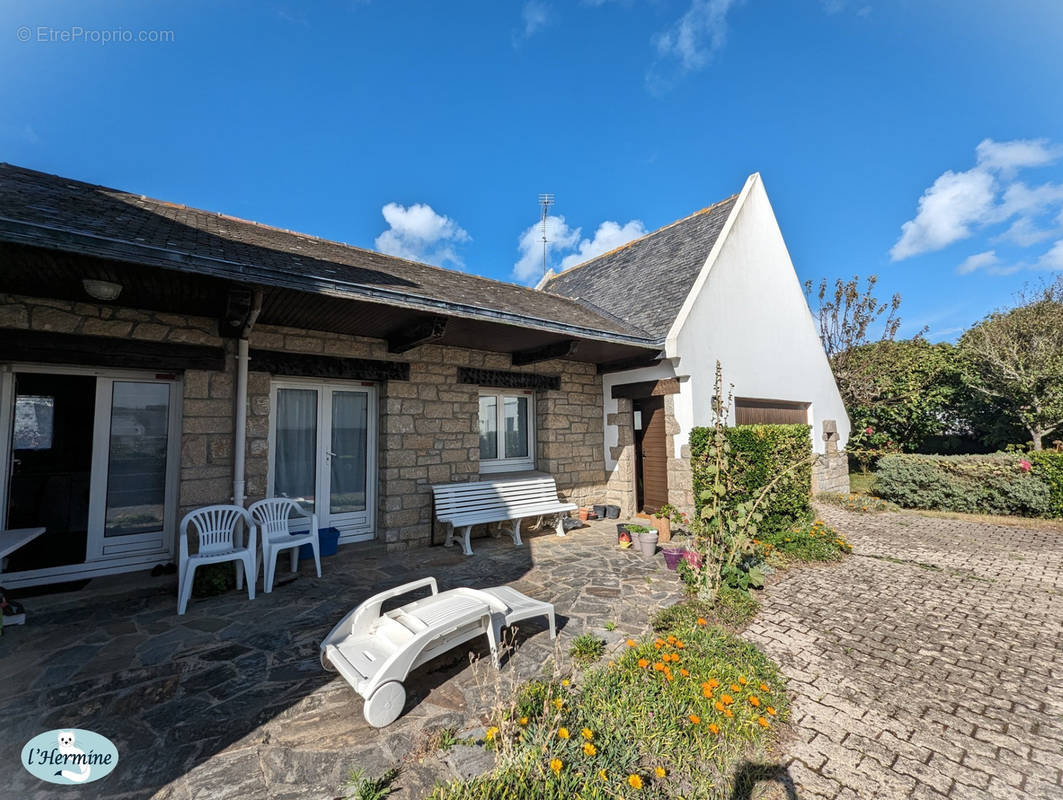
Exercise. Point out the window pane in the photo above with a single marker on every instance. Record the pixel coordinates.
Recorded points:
(350, 423)
(136, 470)
(488, 428)
(295, 460)
(33, 422)
(515, 418)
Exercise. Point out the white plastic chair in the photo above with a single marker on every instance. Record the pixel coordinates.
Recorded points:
(217, 532)
(271, 516)
(374, 652)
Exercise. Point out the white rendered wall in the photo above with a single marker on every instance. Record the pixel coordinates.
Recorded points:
(751, 315)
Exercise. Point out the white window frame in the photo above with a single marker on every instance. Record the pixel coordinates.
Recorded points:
(492, 465)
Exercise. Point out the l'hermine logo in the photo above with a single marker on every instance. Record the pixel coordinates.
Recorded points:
(69, 756)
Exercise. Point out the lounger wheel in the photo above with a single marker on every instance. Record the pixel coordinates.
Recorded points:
(385, 704)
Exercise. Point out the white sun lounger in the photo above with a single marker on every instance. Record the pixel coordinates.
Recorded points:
(375, 652)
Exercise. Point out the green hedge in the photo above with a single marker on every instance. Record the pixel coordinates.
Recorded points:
(978, 484)
(1048, 466)
(759, 453)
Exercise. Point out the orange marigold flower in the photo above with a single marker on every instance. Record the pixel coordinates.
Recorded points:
(672, 639)
(634, 781)
(643, 663)
(742, 680)
(680, 645)
(659, 772)
(694, 719)
(714, 727)
(562, 733)
(523, 720)
(565, 681)
(589, 749)
(659, 666)
(702, 621)
(684, 672)
(558, 702)
(713, 683)
(602, 775)
(718, 706)
(706, 692)
(754, 701)
(771, 711)
(728, 713)
(763, 722)
(765, 688)
(727, 699)
(555, 765)
(735, 687)
(632, 643)
(587, 734)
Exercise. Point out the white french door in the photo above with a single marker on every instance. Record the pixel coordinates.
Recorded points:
(135, 447)
(323, 452)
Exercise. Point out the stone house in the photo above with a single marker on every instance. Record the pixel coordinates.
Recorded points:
(718, 285)
(155, 358)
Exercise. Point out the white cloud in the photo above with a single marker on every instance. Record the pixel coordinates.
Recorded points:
(1053, 259)
(419, 233)
(1023, 232)
(959, 203)
(565, 247)
(559, 236)
(609, 236)
(947, 210)
(697, 36)
(535, 16)
(978, 261)
(832, 6)
(1017, 154)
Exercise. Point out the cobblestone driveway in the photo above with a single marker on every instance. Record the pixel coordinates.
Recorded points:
(940, 676)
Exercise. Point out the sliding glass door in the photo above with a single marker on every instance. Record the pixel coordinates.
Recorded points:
(324, 453)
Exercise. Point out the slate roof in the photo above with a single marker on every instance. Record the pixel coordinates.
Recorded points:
(645, 282)
(65, 214)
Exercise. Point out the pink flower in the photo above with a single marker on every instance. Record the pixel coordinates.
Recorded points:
(869, 430)
(1025, 465)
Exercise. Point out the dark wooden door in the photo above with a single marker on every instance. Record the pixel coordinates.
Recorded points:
(651, 455)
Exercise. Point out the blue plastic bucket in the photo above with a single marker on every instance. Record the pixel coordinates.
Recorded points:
(328, 540)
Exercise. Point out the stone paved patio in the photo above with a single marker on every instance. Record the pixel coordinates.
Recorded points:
(229, 701)
(940, 678)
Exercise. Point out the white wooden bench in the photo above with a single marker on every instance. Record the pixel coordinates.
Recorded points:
(463, 505)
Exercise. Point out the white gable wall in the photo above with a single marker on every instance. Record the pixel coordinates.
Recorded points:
(751, 314)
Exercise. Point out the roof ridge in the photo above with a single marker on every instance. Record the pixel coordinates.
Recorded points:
(269, 227)
(645, 236)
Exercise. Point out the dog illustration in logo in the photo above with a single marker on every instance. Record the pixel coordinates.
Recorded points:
(67, 748)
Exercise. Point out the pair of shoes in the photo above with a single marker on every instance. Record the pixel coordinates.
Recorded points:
(163, 569)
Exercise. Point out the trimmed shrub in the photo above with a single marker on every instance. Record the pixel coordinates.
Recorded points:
(760, 453)
(1048, 466)
(989, 484)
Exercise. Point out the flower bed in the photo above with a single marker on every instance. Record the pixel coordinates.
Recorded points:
(669, 717)
(807, 541)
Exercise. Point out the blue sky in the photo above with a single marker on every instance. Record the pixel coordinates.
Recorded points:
(429, 129)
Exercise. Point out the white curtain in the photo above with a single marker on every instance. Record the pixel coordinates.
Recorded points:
(295, 470)
(349, 426)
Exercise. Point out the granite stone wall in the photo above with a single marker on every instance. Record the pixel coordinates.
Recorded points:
(427, 426)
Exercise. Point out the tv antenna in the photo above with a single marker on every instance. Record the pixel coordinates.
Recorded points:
(545, 201)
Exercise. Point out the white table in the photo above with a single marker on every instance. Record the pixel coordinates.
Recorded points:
(12, 540)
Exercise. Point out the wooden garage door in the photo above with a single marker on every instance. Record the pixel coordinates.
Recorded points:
(651, 455)
(769, 412)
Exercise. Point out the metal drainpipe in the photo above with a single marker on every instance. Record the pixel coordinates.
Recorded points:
(240, 437)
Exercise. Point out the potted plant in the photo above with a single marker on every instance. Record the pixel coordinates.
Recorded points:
(645, 537)
(665, 517)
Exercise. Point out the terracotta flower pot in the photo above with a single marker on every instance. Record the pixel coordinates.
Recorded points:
(584, 513)
(664, 528)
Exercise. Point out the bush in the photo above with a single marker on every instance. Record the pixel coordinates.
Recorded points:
(760, 452)
(989, 484)
(669, 717)
(1048, 466)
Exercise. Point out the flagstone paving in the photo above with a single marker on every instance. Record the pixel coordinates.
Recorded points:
(230, 700)
(928, 665)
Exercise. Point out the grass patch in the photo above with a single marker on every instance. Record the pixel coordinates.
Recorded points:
(805, 541)
(586, 648)
(861, 482)
(1030, 523)
(669, 717)
(361, 787)
(732, 610)
(862, 503)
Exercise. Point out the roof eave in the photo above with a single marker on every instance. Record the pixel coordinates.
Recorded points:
(90, 244)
